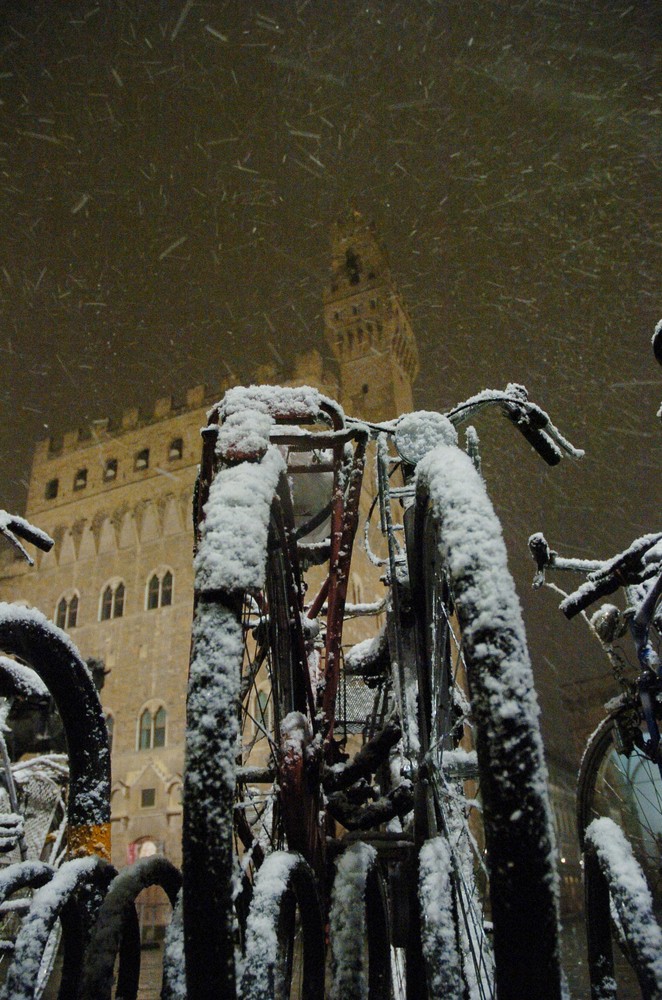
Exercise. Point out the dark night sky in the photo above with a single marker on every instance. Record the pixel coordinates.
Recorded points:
(169, 171)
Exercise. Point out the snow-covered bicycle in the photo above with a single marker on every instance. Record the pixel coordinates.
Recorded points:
(430, 851)
(620, 777)
(619, 786)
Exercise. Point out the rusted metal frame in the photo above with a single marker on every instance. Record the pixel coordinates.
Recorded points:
(400, 624)
(295, 593)
(344, 521)
(313, 439)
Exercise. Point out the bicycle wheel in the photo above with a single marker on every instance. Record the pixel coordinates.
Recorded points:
(359, 928)
(476, 691)
(451, 810)
(284, 934)
(247, 644)
(617, 780)
(623, 886)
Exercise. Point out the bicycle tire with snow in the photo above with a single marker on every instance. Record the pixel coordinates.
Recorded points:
(246, 679)
(359, 927)
(618, 780)
(454, 513)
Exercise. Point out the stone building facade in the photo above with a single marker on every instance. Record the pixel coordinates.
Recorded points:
(118, 502)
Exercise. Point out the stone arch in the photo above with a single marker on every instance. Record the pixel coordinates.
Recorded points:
(172, 518)
(150, 529)
(128, 536)
(67, 550)
(107, 537)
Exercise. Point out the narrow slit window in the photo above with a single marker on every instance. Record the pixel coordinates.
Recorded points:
(145, 734)
(61, 613)
(107, 604)
(153, 591)
(80, 479)
(110, 470)
(160, 728)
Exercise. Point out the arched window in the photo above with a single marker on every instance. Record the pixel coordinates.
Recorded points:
(159, 590)
(112, 601)
(153, 592)
(159, 729)
(107, 604)
(152, 729)
(66, 612)
(166, 589)
(145, 732)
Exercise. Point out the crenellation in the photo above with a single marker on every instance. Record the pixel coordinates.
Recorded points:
(196, 396)
(70, 439)
(162, 407)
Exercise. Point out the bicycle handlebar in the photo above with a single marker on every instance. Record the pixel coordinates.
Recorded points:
(292, 405)
(13, 527)
(529, 419)
(604, 577)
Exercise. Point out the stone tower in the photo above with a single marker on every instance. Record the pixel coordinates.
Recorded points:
(367, 326)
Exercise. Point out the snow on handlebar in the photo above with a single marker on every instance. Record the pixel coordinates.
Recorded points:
(13, 527)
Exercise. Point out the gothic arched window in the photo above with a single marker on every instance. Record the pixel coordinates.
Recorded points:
(112, 601)
(66, 612)
(152, 729)
(159, 590)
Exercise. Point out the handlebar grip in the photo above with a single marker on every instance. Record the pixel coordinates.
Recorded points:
(536, 437)
(587, 594)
